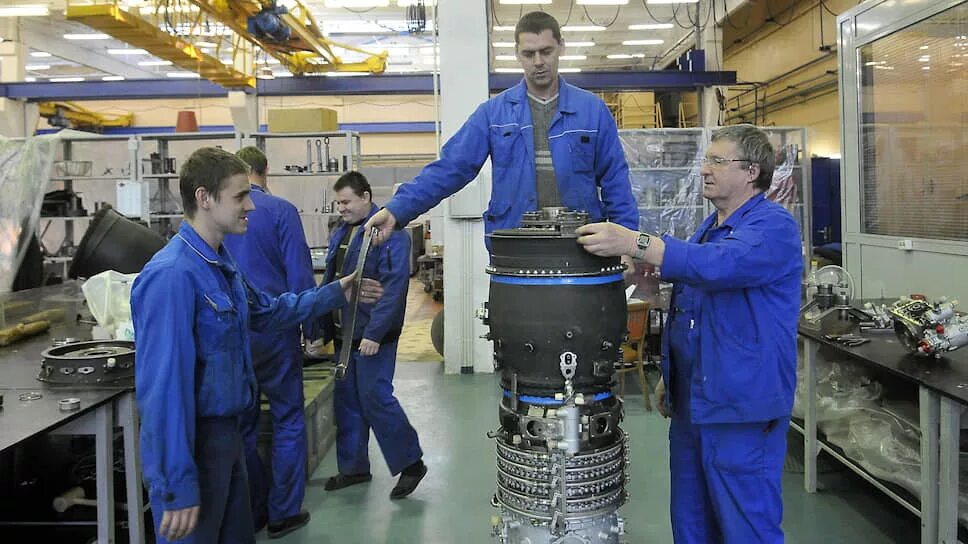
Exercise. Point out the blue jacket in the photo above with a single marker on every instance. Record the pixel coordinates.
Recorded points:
(585, 150)
(192, 311)
(747, 281)
(274, 257)
(389, 263)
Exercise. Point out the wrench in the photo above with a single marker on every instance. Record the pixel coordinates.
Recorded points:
(347, 347)
(319, 155)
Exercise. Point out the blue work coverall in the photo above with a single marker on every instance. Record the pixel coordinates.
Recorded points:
(364, 399)
(274, 258)
(729, 363)
(192, 311)
(587, 156)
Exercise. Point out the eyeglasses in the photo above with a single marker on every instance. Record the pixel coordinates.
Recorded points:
(721, 161)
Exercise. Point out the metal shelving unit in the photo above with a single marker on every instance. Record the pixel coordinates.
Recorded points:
(310, 191)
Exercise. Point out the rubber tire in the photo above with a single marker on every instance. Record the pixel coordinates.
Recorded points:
(437, 333)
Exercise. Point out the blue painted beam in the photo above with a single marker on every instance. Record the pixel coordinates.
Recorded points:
(375, 84)
(362, 128)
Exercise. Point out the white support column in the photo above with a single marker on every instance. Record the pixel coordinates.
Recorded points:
(464, 85)
(244, 108)
(17, 118)
(710, 39)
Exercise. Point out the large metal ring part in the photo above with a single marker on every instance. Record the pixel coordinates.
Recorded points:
(99, 362)
(594, 481)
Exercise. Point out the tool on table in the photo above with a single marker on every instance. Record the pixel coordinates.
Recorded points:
(319, 156)
(69, 404)
(20, 331)
(849, 340)
(309, 155)
(347, 347)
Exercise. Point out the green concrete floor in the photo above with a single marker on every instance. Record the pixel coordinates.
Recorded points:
(452, 414)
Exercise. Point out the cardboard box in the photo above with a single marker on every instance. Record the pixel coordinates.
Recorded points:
(303, 120)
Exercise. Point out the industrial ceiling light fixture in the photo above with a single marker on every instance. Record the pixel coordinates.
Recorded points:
(602, 2)
(27, 10)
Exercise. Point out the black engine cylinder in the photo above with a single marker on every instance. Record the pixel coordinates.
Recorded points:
(553, 305)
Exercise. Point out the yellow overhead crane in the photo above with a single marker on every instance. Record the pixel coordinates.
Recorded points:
(290, 35)
(70, 115)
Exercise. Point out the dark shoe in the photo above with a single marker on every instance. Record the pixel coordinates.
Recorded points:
(408, 482)
(345, 480)
(278, 529)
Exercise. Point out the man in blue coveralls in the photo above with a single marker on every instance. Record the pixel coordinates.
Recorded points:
(364, 399)
(729, 351)
(192, 310)
(274, 258)
(550, 144)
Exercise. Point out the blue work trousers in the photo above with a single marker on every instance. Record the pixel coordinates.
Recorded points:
(726, 481)
(224, 516)
(364, 400)
(277, 491)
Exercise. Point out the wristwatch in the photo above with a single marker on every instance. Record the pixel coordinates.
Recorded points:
(642, 241)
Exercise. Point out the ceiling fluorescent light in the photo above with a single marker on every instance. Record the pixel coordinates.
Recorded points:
(182, 75)
(672, 1)
(602, 2)
(651, 26)
(25, 11)
(582, 28)
(510, 70)
(86, 37)
(357, 3)
(573, 57)
(643, 42)
(518, 2)
(34, 67)
(112, 78)
(504, 44)
(505, 57)
(579, 44)
(569, 70)
(155, 63)
(408, 3)
(30, 79)
(127, 52)
(65, 79)
(40, 54)
(621, 56)
(503, 29)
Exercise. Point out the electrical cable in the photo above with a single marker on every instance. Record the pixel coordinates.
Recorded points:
(645, 4)
(618, 10)
(824, 6)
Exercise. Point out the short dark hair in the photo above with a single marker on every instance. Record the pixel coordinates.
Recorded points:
(755, 147)
(208, 167)
(537, 22)
(356, 181)
(255, 158)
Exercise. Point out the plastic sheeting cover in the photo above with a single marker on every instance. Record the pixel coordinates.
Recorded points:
(24, 178)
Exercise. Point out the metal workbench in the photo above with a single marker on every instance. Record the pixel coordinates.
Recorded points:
(102, 408)
(942, 393)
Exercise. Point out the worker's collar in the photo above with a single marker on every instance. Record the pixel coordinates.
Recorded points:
(191, 238)
(256, 187)
(519, 94)
(742, 210)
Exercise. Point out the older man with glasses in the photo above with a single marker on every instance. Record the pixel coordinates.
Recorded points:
(729, 352)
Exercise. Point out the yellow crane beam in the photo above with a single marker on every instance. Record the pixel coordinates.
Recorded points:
(69, 114)
(132, 29)
(306, 51)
